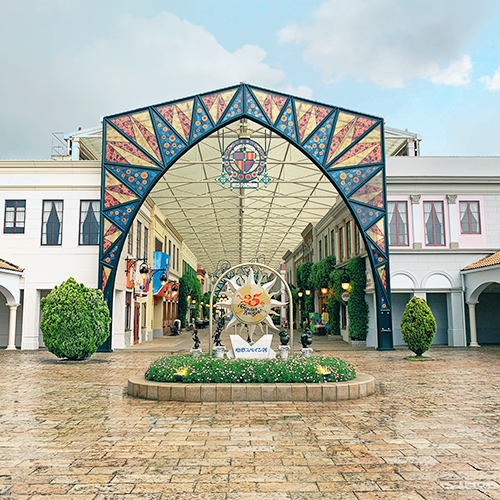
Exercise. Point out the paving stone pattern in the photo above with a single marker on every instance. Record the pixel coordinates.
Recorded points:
(431, 431)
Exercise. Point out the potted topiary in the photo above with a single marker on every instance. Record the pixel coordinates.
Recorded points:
(75, 320)
(418, 326)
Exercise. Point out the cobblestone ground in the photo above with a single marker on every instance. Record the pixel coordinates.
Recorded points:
(68, 430)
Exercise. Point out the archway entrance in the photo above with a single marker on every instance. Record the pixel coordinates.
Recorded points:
(347, 147)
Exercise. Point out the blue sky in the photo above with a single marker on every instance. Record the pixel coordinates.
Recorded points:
(432, 66)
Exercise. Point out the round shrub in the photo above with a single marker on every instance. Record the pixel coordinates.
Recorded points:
(418, 326)
(75, 320)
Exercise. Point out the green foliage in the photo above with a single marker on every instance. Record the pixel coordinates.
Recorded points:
(418, 326)
(357, 307)
(320, 273)
(75, 320)
(188, 285)
(303, 273)
(206, 369)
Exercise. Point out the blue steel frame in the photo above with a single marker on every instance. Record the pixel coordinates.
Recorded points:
(245, 104)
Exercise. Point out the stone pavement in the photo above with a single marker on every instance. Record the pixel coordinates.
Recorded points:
(68, 430)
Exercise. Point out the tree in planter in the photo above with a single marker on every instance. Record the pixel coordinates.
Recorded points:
(418, 326)
(75, 320)
(188, 285)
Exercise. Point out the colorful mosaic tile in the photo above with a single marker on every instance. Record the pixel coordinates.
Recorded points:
(217, 103)
(111, 257)
(202, 124)
(171, 145)
(286, 124)
(383, 302)
(115, 192)
(371, 193)
(376, 233)
(367, 150)
(366, 215)
(348, 180)
(378, 257)
(121, 215)
(318, 142)
(382, 272)
(119, 149)
(178, 116)
(309, 116)
(253, 108)
(110, 234)
(106, 271)
(272, 104)
(137, 179)
(347, 129)
(234, 109)
(140, 129)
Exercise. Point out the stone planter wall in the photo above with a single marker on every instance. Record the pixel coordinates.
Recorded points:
(363, 385)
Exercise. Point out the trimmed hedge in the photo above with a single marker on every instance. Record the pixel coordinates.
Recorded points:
(206, 369)
(418, 326)
(75, 320)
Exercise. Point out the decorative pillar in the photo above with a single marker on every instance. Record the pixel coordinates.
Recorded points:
(452, 213)
(417, 220)
(472, 322)
(12, 327)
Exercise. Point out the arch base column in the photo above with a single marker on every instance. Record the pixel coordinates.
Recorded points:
(11, 346)
(472, 323)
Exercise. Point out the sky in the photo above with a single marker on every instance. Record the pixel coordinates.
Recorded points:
(429, 66)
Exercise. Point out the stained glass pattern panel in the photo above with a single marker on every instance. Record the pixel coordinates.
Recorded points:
(178, 116)
(367, 150)
(371, 192)
(217, 103)
(115, 191)
(347, 180)
(272, 104)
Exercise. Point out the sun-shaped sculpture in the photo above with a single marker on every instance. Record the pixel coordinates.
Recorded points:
(250, 303)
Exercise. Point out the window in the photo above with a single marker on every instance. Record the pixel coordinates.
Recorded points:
(332, 241)
(434, 225)
(89, 222)
(173, 259)
(146, 243)
(169, 249)
(319, 249)
(52, 222)
(138, 240)
(358, 240)
(178, 259)
(15, 212)
(341, 243)
(469, 217)
(349, 239)
(326, 245)
(398, 223)
(130, 240)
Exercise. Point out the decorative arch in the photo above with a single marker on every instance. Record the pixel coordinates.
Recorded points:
(140, 146)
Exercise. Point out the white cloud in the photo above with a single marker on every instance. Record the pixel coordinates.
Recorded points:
(389, 42)
(492, 83)
(457, 73)
(300, 91)
(136, 62)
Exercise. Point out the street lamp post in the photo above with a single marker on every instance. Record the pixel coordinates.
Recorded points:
(300, 294)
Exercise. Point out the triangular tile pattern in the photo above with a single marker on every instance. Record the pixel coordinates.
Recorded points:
(253, 108)
(349, 179)
(368, 147)
(371, 193)
(286, 123)
(235, 108)
(139, 128)
(202, 124)
(171, 145)
(347, 129)
(115, 192)
(110, 259)
(135, 178)
(318, 142)
(272, 104)
(217, 103)
(366, 215)
(383, 302)
(382, 272)
(178, 116)
(377, 234)
(110, 234)
(121, 215)
(119, 149)
(309, 116)
(378, 257)
(106, 271)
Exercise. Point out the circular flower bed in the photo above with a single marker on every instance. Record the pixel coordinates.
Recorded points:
(205, 369)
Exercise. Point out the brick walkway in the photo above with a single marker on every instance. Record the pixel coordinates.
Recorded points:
(68, 430)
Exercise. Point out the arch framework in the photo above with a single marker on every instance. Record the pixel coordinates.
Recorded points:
(140, 146)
